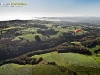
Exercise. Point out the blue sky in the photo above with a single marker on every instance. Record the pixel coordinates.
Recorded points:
(53, 8)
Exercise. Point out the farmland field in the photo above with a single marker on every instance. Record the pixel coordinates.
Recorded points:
(79, 59)
(47, 70)
(15, 69)
(69, 58)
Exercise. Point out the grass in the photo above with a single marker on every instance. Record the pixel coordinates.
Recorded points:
(82, 73)
(42, 69)
(29, 33)
(57, 59)
(27, 30)
(71, 28)
(79, 63)
(58, 28)
(76, 43)
(41, 55)
(96, 47)
(15, 69)
(57, 35)
(30, 37)
(12, 27)
(17, 65)
(97, 58)
(8, 28)
(52, 58)
(47, 70)
(79, 59)
(49, 25)
(82, 70)
(63, 59)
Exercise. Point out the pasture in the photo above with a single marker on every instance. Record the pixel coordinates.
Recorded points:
(69, 58)
(42, 69)
(16, 69)
(79, 59)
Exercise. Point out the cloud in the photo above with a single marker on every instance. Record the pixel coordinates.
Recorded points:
(29, 15)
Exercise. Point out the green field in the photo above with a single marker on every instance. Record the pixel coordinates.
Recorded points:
(30, 37)
(69, 58)
(52, 58)
(79, 59)
(47, 70)
(69, 62)
(30, 33)
(15, 69)
(97, 58)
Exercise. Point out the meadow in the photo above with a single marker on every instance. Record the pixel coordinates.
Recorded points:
(16, 69)
(63, 59)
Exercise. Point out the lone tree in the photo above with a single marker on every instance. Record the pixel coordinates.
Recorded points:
(37, 38)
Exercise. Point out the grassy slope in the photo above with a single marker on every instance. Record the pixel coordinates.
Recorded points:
(26, 33)
(30, 37)
(52, 58)
(47, 70)
(79, 59)
(15, 69)
(71, 58)
(82, 64)
(97, 58)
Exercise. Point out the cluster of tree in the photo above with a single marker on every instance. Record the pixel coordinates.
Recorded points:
(25, 59)
(14, 22)
(3, 23)
(40, 26)
(90, 42)
(62, 48)
(3, 26)
(52, 63)
(97, 51)
(10, 33)
(22, 60)
(41, 22)
(39, 47)
(74, 49)
(49, 32)
(15, 49)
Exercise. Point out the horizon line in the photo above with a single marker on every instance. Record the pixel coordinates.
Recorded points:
(35, 18)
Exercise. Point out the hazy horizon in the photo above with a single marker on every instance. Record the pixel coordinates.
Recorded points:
(50, 8)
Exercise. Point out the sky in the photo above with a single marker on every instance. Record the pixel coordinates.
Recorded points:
(50, 8)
